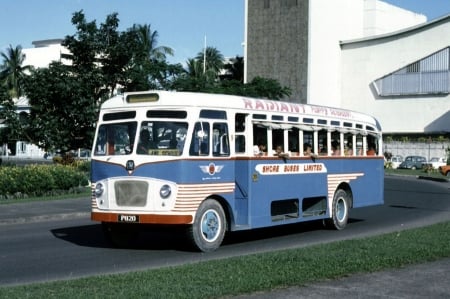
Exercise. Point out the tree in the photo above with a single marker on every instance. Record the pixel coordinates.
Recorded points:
(148, 68)
(65, 99)
(12, 71)
(63, 112)
(234, 69)
(211, 61)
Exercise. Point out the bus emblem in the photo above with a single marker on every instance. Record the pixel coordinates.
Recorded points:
(211, 169)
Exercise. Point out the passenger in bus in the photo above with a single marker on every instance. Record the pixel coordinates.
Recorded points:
(307, 150)
(144, 142)
(259, 149)
(335, 148)
(371, 150)
(349, 149)
(279, 152)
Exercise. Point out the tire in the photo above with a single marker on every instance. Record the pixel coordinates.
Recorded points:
(120, 235)
(208, 230)
(340, 210)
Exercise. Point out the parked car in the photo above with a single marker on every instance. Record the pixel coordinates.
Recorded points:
(445, 170)
(413, 162)
(436, 162)
(396, 161)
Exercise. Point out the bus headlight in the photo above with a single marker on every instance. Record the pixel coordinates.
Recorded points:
(99, 189)
(165, 191)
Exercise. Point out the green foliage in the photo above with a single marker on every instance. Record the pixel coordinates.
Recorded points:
(62, 116)
(65, 98)
(37, 180)
(12, 72)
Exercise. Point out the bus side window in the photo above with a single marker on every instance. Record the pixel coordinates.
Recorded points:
(220, 140)
(259, 139)
(323, 144)
(293, 136)
(349, 151)
(308, 141)
(200, 140)
(277, 139)
(100, 147)
(239, 146)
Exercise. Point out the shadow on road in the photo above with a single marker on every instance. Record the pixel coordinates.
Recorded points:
(176, 238)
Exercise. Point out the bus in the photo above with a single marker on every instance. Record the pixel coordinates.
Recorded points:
(214, 164)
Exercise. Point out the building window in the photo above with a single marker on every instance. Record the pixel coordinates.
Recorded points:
(428, 76)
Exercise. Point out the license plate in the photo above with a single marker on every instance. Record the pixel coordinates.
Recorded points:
(128, 218)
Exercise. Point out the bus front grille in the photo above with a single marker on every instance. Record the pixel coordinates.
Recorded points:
(131, 193)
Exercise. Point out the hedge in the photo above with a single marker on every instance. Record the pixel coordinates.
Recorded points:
(37, 180)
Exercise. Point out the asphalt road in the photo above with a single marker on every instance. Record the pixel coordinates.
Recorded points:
(56, 240)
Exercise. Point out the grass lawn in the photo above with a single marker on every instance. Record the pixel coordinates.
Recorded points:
(258, 272)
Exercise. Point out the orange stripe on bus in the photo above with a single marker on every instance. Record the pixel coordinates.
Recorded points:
(144, 218)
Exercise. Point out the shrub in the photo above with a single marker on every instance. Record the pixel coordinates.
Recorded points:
(37, 180)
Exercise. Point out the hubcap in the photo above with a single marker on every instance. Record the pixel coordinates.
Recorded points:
(210, 226)
(341, 209)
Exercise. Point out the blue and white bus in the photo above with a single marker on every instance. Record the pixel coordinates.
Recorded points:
(208, 162)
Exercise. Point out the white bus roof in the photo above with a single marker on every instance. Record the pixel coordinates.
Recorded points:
(172, 99)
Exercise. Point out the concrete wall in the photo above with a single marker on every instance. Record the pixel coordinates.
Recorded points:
(330, 22)
(277, 43)
(381, 17)
(427, 150)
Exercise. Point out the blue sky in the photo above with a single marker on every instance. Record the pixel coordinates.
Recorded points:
(181, 24)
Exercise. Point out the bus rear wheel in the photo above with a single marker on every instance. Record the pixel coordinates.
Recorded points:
(208, 230)
(340, 210)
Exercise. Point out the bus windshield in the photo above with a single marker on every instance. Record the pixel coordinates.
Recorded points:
(155, 138)
(165, 138)
(115, 139)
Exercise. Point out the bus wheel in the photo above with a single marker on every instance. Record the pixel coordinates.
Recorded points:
(120, 235)
(208, 230)
(340, 210)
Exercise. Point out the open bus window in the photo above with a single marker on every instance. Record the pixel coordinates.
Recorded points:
(323, 144)
(293, 136)
(115, 139)
(162, 138)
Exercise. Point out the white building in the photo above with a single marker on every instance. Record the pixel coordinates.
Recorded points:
(365, 55)
(43, 53)
(402, 78)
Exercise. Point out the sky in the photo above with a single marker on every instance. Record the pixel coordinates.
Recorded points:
(183, 25)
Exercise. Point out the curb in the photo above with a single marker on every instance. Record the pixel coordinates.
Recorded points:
(43, 218)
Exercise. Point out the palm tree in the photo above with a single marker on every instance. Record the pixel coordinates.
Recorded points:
(213, 62)
(148, 39)
(12, 72)
(194, 68)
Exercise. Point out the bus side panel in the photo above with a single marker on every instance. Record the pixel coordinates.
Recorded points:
(368, 183)
(243, 178)
(274, 184)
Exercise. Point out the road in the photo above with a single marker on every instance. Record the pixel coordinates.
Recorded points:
(40, 247)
